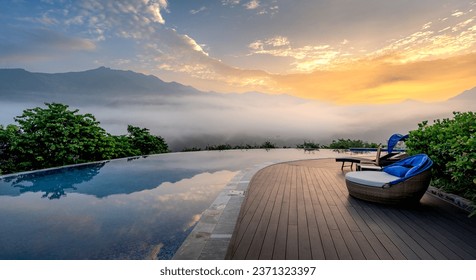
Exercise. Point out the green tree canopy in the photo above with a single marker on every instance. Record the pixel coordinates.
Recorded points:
(56, 136)
(144, 143)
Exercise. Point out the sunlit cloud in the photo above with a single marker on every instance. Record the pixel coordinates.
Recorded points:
(254, 4)
(155, 10)
(307, 58)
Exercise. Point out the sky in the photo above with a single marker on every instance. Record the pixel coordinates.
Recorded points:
(342, 52)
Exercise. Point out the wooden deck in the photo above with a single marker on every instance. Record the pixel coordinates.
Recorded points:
(302, 210)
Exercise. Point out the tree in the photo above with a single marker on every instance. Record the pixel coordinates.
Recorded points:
(143, 143)
(56, 136)
(347, 144)
(8, 136)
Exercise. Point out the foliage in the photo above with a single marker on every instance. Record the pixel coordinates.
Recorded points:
(267, 145)
(451, 144)
(56, 136)
(8, 137)
(347, 144)
(308, 146)
(221, 147)
(144, 143)
(193, 149)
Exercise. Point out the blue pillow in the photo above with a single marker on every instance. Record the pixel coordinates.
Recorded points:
(397, 170)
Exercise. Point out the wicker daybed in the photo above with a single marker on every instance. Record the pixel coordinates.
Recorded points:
(403, 182)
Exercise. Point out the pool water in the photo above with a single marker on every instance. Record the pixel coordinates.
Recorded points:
(139, 208)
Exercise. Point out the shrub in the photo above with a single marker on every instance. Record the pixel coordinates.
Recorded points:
(451, 144)
(308, 146)
(347, 144)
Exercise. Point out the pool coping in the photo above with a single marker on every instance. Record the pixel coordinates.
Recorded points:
(210, 237)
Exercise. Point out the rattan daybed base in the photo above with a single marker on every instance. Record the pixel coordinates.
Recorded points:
(409, 191)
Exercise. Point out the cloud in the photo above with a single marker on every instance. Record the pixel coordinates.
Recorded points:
(201, 9)
(378, 81)
(40, 43)
(254, 4)
(155, 10)
(306, 58)
(230, 2)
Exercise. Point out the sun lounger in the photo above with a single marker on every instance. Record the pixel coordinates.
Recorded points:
(402, 182)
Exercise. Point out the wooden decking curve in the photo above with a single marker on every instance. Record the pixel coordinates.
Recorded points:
(302, 210)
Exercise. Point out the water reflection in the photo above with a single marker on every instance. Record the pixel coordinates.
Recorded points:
(149, 224)
(53, 183)
(138, 173)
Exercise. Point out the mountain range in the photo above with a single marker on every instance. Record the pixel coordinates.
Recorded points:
(21, 85)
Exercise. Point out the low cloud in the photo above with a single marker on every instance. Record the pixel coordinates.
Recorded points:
(210, 119)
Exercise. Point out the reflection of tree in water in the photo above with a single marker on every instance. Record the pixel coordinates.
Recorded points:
(54, 183)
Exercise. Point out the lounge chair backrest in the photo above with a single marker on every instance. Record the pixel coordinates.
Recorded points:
(408, 167)
(377, 158)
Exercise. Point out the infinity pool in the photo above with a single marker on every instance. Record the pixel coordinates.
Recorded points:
(138, 208)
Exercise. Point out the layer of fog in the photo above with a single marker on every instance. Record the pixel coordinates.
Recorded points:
(211, 119)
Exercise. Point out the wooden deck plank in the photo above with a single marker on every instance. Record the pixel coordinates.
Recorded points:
(279, 252)
(249, 222)
(444, 223)
(270, 236)
(262, 227)
(400, 245)
(317, 250)
(302, 210)
(327, 242)
(292, 249)
(304, 245)
(371, 246)
(444, 241)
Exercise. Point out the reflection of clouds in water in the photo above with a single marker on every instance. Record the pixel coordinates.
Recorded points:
(192, 222)
(131, 226)
(154, 252)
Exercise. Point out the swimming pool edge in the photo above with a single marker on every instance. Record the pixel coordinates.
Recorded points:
(210, 238)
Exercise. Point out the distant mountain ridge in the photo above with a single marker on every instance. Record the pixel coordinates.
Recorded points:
(468, 95)
(109, 86)
(19, 84)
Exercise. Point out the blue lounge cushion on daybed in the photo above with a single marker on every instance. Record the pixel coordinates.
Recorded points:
(399, 171)
(415, 164)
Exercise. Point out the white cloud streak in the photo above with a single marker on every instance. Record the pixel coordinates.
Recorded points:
(254, 4)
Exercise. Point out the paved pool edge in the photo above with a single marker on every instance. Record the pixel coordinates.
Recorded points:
(210, 238)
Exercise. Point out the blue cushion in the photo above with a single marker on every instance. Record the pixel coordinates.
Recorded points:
(414, 165)
(399, 171)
